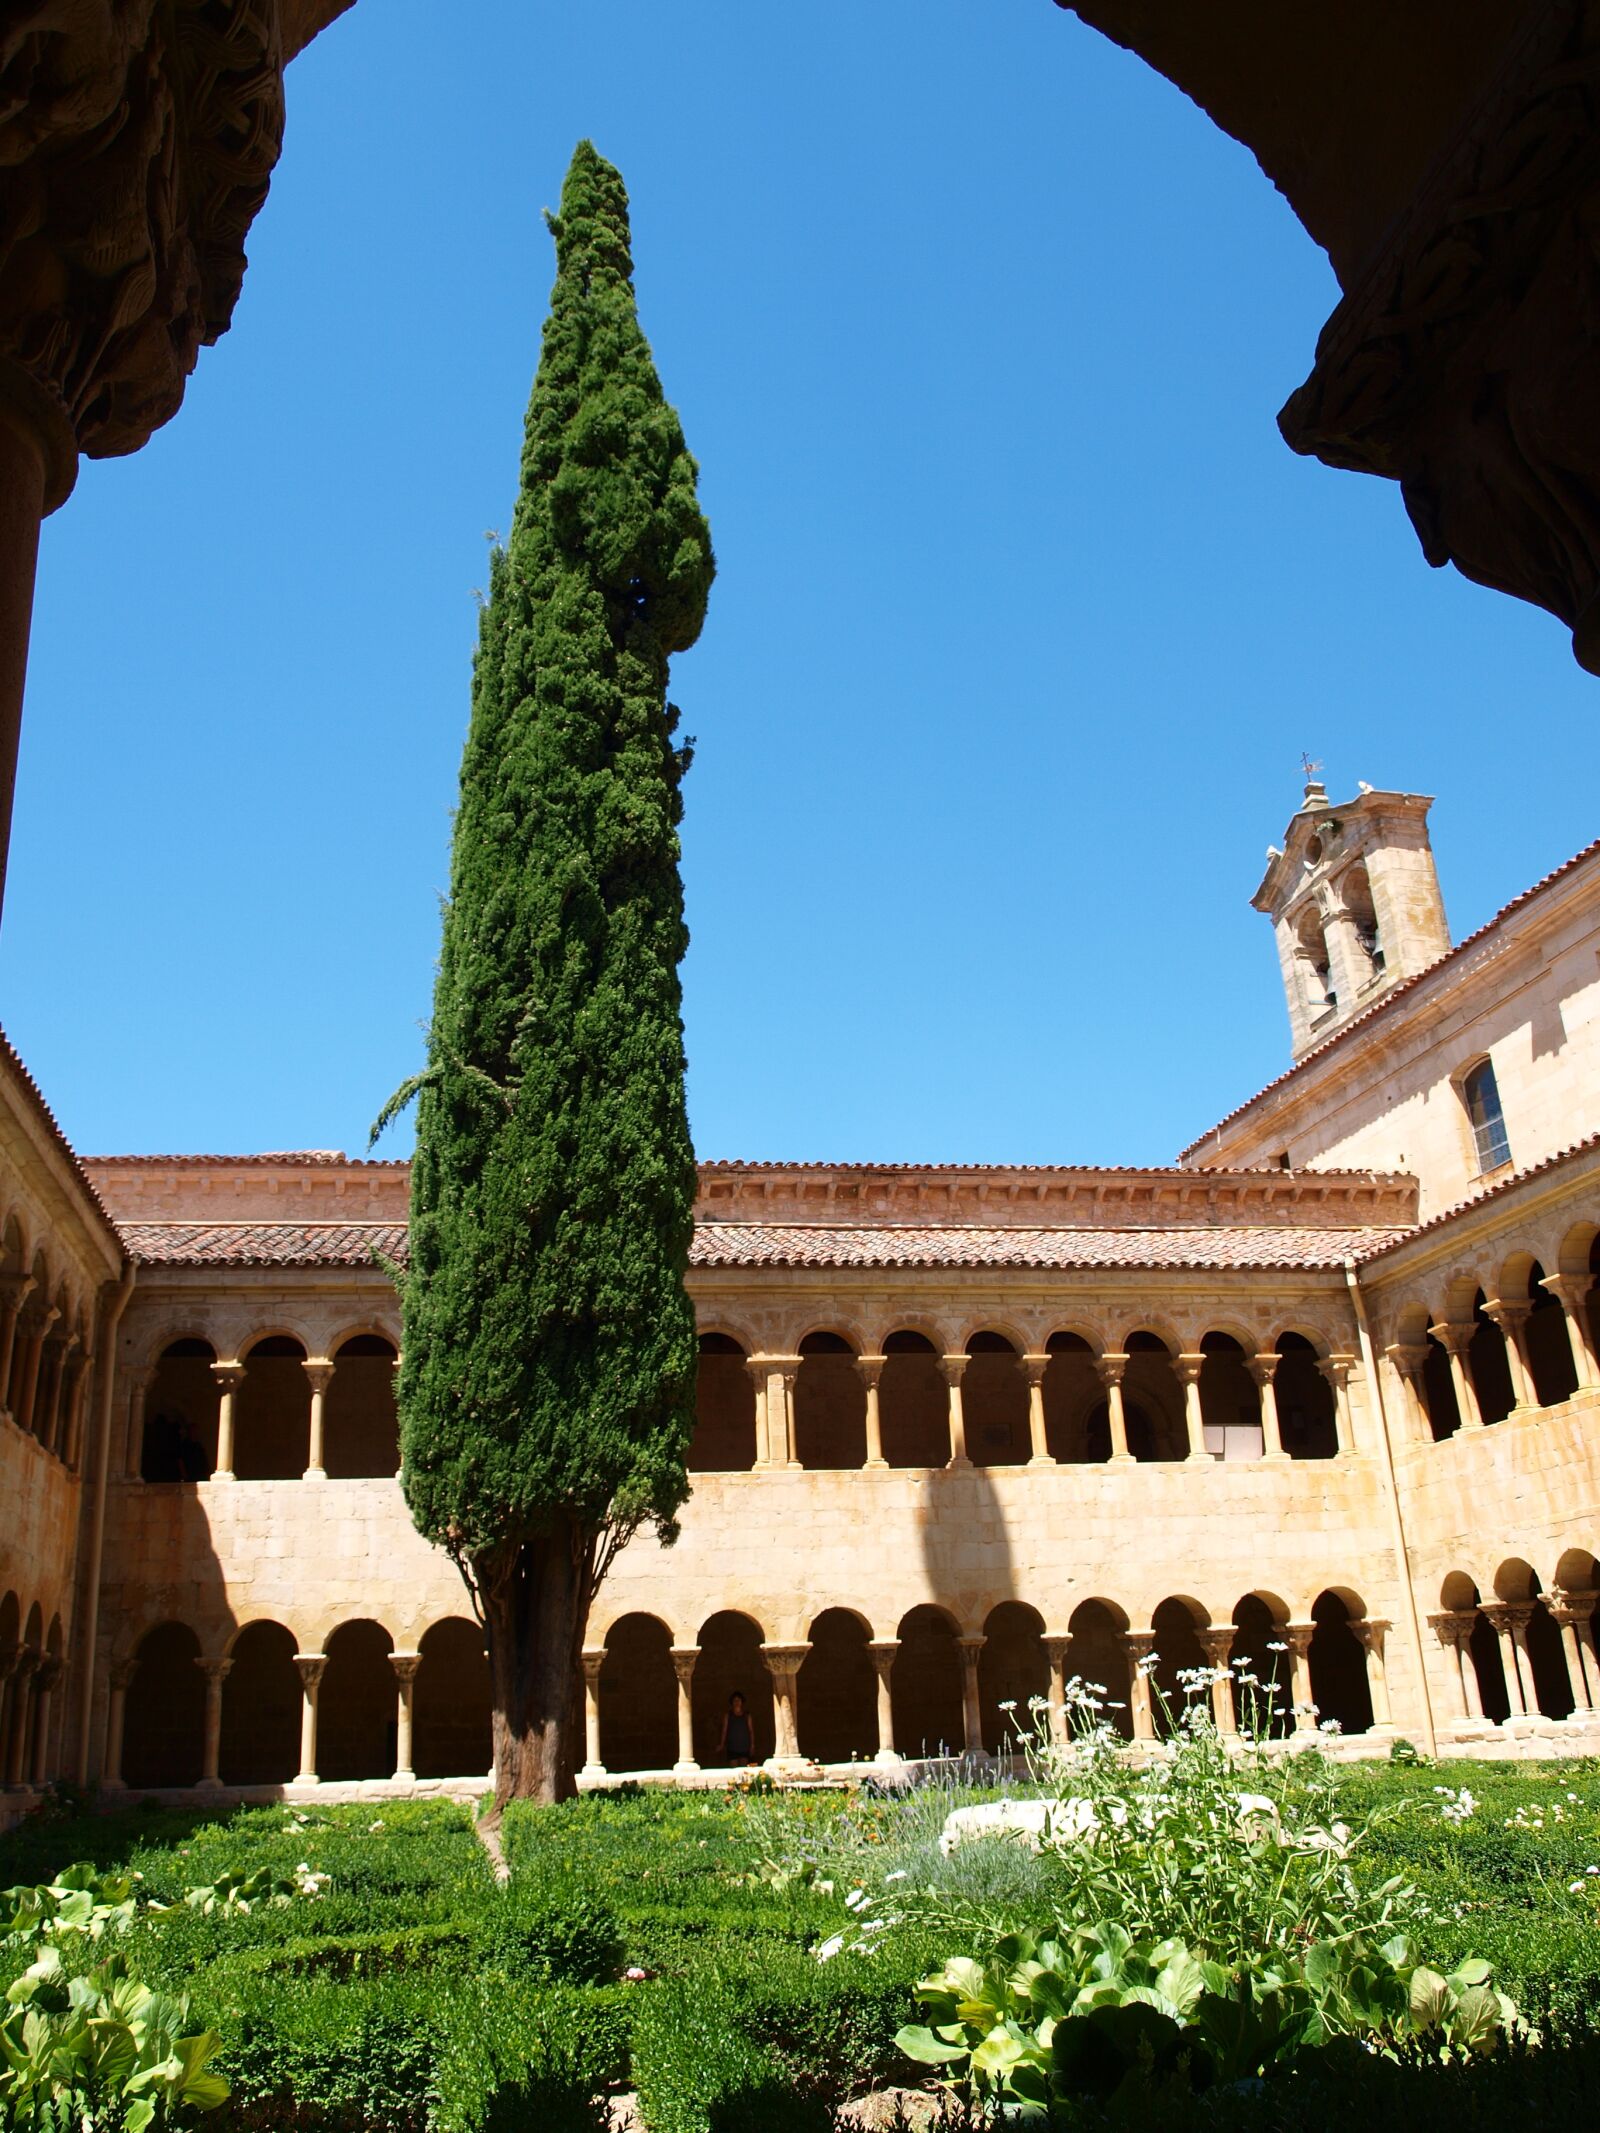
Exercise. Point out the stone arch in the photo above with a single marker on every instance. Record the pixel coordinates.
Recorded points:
(1073, 1395)
(451, 1727)
(1577, 1244)
(1307, 1419)
(913, 1401)
(1013, 1668)
(1486, 1360)
(638, 1696)
(1548, 1688)
(1230, 1401)
(272, 1411)
(1152, 1397)
(1340, 1688)
(994, 1400)
(730, 1658)
(724, 1439)
(1550, 1363)
(830, 1404)
(357, 1704)
(1576, 1571)
(1177, 1623)
(925, 1685)
(1097, 1657)
(1438, 1389)
(1460, 1595)
(361, 1425)
(163, 1740)
(837, 1696)
(1262, 1684)
(261, 1706)
(179, 1439)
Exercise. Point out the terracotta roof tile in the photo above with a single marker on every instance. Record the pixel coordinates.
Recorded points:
(1490, 1192)
(264, 1243)
(47, 1118)
(1380, 1007)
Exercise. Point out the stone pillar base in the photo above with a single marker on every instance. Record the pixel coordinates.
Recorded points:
(792, 1766)
(209, 1785)
(685, 1770)
(1469, 1729)
(404, 1777)
(890, 1757)
(1533, 1726)
(594, 1770)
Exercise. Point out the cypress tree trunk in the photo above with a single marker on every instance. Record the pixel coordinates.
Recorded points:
(547, 1377)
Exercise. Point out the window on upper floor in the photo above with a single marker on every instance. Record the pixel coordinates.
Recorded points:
(1481, 1095)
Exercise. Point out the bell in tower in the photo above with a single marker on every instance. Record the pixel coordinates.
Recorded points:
(1354, 901)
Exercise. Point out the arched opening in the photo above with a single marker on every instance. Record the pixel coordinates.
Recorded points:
(1014, 1669)
(1481, 1095)
(1316, 967)
(451, 1734)
(360, 1429)
(1152, 1400)
(837, 1718)
(163, 1740)
(272, 1412)
(1072, 1394)
(994, 1402)
(358, 1704)
(1230, 1402)
(1307, 1421)
(925, 1685)
(724, 1440)
(730, 1658)
(1097, 1657)
(27, 1348)
(1177, 1625)
(261, 1706)
(1439, 1391)
(830, 1405)
(1356, 889)
(1262, 1689)
(1483, 1650)
(180, 1415)
(913, 1403)
(638, 1696)
(1548, 1688)
(1486, 1359)
(1550, 1364)
(1339, 1685)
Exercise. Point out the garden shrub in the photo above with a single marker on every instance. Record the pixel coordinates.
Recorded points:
(541, 1926)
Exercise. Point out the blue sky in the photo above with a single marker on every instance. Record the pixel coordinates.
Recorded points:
(1024, 615)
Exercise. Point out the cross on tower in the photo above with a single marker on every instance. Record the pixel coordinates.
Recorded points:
(1311, 769)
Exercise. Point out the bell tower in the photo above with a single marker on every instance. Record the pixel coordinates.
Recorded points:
(1354, 902)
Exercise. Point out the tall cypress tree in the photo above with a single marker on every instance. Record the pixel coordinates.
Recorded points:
(546, 1391)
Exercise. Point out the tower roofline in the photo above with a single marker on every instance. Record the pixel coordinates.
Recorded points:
(1315, 817)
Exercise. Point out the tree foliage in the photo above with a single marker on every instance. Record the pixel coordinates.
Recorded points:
(549, 1346)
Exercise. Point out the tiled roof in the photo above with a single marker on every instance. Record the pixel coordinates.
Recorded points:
(264, 1243)
(1506, 1184)
(1382, 1007)
(752, 1244)
(47, 1118)
(274, 1159)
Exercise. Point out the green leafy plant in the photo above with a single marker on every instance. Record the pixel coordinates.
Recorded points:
(79, 1900)
(101, 2049)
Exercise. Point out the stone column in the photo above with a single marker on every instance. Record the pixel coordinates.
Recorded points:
(133, 1446)
(52, 1374)
(1571, 1291)
(21, 1706)
(32, 1362)
(77, 1393)
(971, 1704)
(1337, 1369)
(683, 1659)
(1217, 1644)
(216, 1672)
(1297, 1635)
(953, 1367)
(756, 1371)
(310, 1667)
(1264, 1369)
(1188, 1369)
(319, 1372)
(881, 1652)
(1512, 1319)
(783, 1663)
(44, 1682)
(1056, 1649)
(1566, 1611)
(781, 1373)
(118, 1683)
(1112, 1367)
(1509, 1621)
(869, 1368)
(1140, 1643)
(229, 1377)
(1454, 1631)
(1453, 1340)
(1409, 1361)
(592, 1661)
(1034, 1367)
(1370, 1633)
(14, 1291)
(405, 1666)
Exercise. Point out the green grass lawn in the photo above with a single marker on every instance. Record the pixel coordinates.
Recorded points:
(414, 1994)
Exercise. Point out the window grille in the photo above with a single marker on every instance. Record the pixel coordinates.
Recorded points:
(1488, 1120)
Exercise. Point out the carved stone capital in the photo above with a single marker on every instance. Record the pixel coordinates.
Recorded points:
(311, 1666)
(1112, 1367)
(405, 1666)
(783, 1661)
